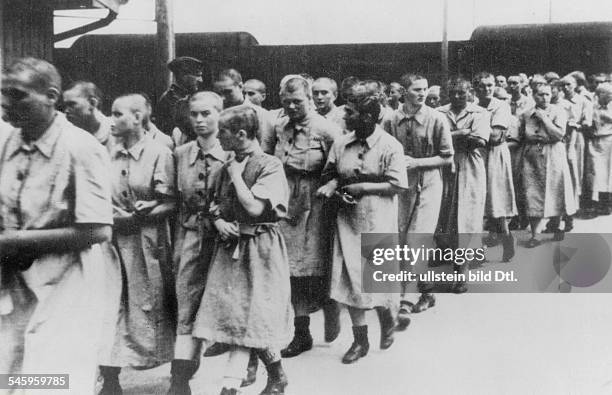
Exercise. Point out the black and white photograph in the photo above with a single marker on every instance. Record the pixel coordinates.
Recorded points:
(323, 197)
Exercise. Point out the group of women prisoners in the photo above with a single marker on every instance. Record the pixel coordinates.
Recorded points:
(236, 223)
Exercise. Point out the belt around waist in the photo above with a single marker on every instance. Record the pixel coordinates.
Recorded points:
(291, 171)
(495, 144)
(257, 228)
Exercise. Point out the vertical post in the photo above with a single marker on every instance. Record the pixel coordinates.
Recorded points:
(164, 44)
(2, 35)
(444, 43)
(550, 11)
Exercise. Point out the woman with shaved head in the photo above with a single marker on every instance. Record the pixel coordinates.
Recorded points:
(143, 190)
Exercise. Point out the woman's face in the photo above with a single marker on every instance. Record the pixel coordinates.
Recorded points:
(485, 88)
(416, 93)
(458, 95)
(541, 96)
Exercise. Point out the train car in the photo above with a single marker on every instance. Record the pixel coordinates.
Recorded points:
(123, 63)
(538, 48)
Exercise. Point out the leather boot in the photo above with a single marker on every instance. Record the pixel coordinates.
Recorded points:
(331, 319)
(360, 346)
(181, 370)
(277, 380)
(387, 327)
(508, 243)
(403, 315)
(251, 369)
(302, 340)
(426, 301)
(111, 385)
(216, 349)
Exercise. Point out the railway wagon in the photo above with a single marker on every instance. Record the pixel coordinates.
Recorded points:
(124, 63)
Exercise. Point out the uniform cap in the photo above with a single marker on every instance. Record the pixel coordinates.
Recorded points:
(186, 64)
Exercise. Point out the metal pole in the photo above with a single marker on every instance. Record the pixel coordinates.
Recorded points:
(165, 47)
(550, 11)
(444, 53)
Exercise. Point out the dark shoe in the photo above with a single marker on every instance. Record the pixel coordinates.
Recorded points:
(360, 346)
(216, 349)
(387, 327)
(181, 371)
(491, 240)
(508, 243)
(230, 391)
(533, 242)
(298, 345)
(355, 352)
(111, 389)
(251, 369)
(569, 224)
(331, 319)
(403, 315)
(460, 288)
(277, 380)
(179, 388)
(110, 375)
(586, 214)
(302, 341)
(514, 224)
(426, 301)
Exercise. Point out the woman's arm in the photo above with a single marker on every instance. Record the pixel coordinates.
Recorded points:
(429, 163)
(370, 188)
(43, 241)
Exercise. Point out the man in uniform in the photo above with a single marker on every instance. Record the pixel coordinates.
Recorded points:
(82, 102)
(187, 76)
(55, 208)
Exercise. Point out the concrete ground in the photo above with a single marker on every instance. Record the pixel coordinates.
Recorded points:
(468, 344)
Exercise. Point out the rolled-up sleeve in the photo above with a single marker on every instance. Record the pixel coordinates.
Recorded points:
(271, 186)
(395, 167)
(501, 116)
(164, 180)
(92, 186)
(443, 137)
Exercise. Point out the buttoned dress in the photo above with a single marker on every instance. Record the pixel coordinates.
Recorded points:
(197, 174)
(468, 183)
(247, 300)
(50, 319)
(303, 148)
(501, 200)
(145, 333)
(579, 112)
(517, 108)
(378, 158)
(424, 134)
(336, 115)
(546, 175)
(599, 153)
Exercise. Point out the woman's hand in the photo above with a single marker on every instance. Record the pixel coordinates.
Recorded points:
(328, 189)
(144, 207)
(355, 190)
(235, 168)
(227, 230)
(410, 162)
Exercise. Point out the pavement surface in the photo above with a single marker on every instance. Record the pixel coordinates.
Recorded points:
(469, 344)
